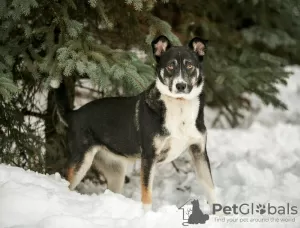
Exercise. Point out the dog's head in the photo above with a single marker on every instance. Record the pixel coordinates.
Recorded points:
(179, 68)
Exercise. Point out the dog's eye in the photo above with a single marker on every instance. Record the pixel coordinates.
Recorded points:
(189, 66)
(170, 67)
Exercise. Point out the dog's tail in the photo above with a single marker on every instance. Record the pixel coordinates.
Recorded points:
(63, 104)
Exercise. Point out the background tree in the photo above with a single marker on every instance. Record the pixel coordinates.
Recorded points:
(47, 47)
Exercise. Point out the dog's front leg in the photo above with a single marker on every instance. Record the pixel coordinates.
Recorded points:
(147, 176)
(203, 171)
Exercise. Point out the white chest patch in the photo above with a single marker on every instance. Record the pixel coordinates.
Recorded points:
(180, 121)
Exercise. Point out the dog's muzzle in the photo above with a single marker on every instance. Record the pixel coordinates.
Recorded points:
(182, 87)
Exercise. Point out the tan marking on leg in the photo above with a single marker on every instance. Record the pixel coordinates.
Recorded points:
(146, 195)
(70, 174)
(146, 192)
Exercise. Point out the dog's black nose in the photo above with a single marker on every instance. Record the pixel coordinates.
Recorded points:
(180, 86)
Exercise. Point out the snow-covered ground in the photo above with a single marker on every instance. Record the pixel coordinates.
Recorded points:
(260, 164)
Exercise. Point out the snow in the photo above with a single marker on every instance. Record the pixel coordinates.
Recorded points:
(259, 164)
(35, 200)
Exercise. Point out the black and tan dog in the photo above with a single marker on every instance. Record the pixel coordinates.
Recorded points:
(155, 126)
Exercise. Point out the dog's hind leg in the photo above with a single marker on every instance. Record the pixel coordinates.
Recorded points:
(115, 178)
(203, 171)
(77, 171)
(113, 167)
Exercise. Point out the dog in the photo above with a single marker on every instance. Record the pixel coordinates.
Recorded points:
(156, 126)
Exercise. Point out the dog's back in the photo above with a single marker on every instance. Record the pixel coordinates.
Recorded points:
(107, 121)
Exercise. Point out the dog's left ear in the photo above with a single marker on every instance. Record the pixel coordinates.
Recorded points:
(198, 45)
(159, 46)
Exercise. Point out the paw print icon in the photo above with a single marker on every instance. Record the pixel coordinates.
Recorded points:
(261, 209)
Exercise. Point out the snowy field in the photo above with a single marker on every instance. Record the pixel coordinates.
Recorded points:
(259, 165)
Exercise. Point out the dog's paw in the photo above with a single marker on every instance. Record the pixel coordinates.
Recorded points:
(147, 207)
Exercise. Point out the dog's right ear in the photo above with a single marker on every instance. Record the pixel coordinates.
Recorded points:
(159, 46)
